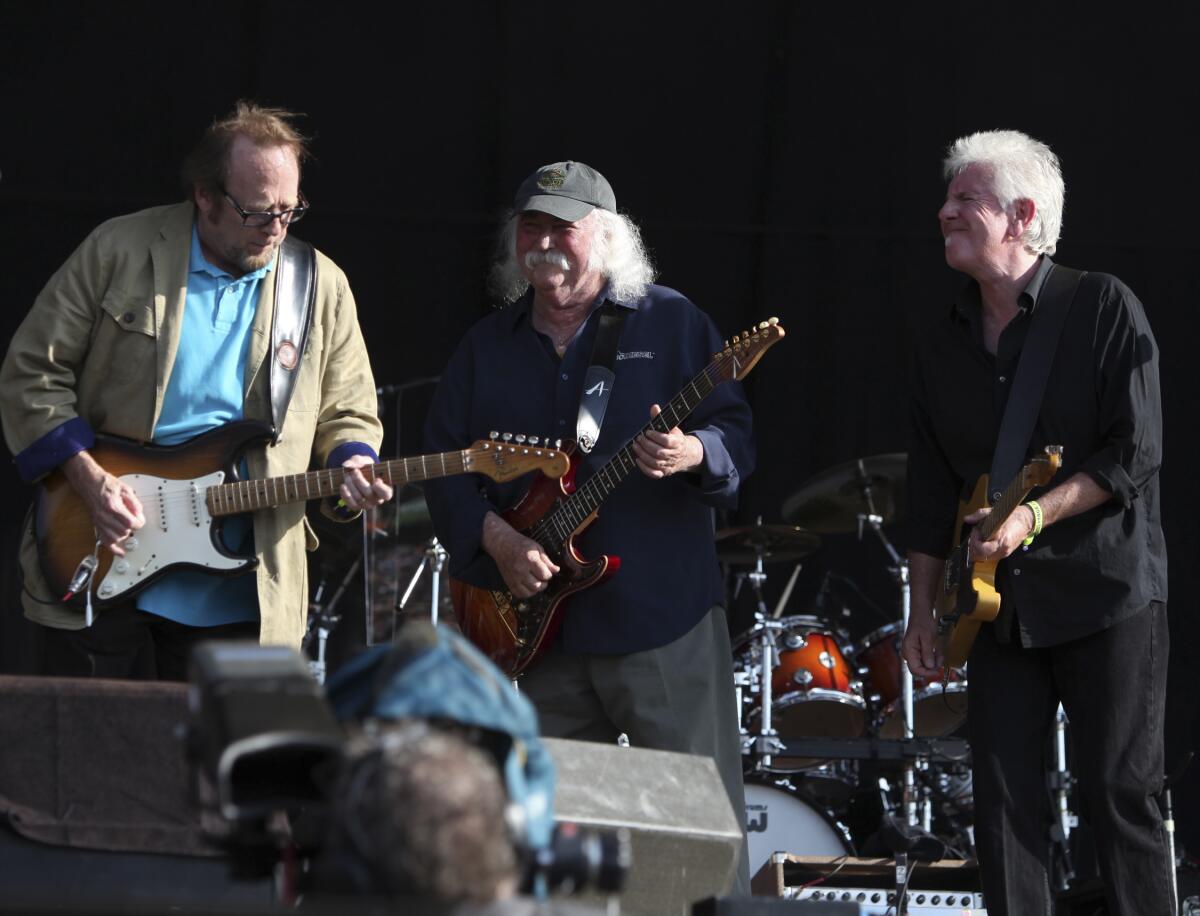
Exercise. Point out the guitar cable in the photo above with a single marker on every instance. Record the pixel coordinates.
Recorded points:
(82, 579)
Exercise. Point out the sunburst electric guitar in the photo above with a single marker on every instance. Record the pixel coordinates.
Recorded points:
(187, 489)
(513, 631)
(967, 597)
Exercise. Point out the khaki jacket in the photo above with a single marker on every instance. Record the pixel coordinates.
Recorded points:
(99, 344)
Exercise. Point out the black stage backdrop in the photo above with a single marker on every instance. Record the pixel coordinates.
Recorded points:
(782, 158)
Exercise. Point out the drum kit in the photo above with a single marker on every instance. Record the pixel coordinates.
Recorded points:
(801, 678)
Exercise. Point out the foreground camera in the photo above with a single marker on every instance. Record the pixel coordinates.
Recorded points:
(580, 859)
(261, 737)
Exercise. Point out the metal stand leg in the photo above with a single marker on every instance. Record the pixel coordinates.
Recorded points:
(322, 620)
(435, 560)
(901, 883)
(899, 570)
(1061, 782)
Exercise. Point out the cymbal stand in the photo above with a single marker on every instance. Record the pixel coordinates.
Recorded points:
(435, 560)
(899, 571)
(767, 744)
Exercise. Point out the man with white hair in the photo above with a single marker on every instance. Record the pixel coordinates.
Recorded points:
(645, 652)
(1082, 564)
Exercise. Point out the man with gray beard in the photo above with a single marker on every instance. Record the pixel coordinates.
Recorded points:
(646, 651)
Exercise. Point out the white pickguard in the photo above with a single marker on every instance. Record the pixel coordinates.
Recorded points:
(178, 529)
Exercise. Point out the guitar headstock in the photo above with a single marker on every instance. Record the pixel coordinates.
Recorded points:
(1041, 469)
(504, 457)
(746, 349)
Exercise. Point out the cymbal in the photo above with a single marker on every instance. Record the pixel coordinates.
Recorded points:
(831, 501)
(775, 543)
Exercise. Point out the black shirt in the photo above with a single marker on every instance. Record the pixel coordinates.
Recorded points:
(1102, 404)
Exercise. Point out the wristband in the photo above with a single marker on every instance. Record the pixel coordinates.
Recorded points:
(1038, 518)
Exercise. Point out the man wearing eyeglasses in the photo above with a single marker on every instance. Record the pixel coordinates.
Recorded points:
(160, 328)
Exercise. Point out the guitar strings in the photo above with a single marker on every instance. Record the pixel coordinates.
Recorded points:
(562, 522)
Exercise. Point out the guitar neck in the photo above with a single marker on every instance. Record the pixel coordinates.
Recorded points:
(1012, 496)
(586, 500)
(269, 492)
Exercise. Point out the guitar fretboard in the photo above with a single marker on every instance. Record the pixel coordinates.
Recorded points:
(1004, 506)
(266, 493)
(557, 526)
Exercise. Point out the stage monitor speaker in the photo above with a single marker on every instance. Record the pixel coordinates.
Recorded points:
(771, 906)
(685, 839)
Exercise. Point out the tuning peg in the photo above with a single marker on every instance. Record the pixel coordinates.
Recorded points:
(558, 443)
(507, 437)
(762, 325)
(533, 440)
(736, 338)
(520, 437)
(494, 434)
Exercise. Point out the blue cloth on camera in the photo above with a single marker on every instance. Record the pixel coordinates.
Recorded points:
(437, 674)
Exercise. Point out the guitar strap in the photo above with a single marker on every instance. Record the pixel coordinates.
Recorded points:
(295, 294)
(1033, 369)
(598, 382)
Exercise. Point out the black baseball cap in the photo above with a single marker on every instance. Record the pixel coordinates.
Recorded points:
(568, 190)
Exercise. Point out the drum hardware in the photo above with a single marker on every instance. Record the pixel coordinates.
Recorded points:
(940, 750)
(1061, 782)
(756, 544)
(863, 493)
(1168, 813)
(805, 687)
(899, 570)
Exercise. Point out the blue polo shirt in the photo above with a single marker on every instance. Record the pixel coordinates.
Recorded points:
(506, 376)
(206, 390)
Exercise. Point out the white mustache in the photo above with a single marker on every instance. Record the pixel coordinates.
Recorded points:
(553, 258)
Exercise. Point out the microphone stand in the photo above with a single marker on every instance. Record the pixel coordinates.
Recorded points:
(322, 620)
(435, 554)
(435, 560)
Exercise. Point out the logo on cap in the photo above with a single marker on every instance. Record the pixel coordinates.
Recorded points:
(551, 179)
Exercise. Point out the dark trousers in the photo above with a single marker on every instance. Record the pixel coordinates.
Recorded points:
(129, 644)
(1112, 685)
(677, 698)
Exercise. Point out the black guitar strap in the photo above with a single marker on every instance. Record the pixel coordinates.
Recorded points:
(295, 294)
(598, 383)
(1033, 370)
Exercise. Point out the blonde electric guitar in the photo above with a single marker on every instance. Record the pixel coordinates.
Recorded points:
(967, 597)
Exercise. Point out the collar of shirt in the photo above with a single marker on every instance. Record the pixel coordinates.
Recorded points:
(199, 264)
(518, 310)
(968, 305)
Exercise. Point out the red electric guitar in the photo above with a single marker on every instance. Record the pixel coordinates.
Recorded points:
(513, 632)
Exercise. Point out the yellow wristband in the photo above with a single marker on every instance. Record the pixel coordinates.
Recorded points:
(1038, 518)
